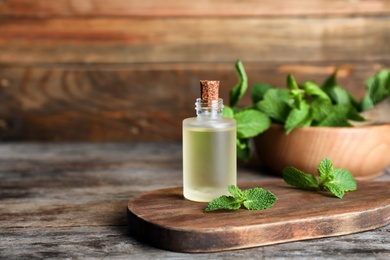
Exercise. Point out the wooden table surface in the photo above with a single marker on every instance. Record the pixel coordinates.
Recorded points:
(69, 201)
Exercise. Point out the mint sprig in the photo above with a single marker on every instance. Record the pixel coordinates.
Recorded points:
(299, 179)
(250, 121)
(239, 89)
(252, 199)
(336, 181)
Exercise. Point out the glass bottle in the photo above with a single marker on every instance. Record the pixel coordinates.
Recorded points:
(209, 148)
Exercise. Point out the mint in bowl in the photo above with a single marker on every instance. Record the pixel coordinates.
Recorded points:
(363, 150)
(303, 123)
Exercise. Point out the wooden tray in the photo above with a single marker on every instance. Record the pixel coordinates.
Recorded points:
(165, 219)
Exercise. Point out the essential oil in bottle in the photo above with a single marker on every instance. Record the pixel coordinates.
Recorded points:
(209, 148)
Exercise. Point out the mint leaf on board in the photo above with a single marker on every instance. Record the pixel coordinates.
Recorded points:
(336, 181)
(258, 91)
(299, 179)
(259, 198)
(253, 199)
(275, 104)
(251, 122)
(240, 88)
(223, 202)
(334, 189)
(325, 169)
(341, 181)
(235, 191)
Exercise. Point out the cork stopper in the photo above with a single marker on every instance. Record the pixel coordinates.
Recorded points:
(209, 90)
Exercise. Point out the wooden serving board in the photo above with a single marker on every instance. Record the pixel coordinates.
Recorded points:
(163, 218)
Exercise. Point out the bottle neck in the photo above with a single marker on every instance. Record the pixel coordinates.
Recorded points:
(211, 108)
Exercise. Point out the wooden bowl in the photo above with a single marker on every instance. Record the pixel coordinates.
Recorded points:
(364, 151)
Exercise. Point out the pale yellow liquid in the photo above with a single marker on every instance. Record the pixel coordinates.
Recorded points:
(209, 159)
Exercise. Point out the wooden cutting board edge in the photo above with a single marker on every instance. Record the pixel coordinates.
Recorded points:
(222, 239)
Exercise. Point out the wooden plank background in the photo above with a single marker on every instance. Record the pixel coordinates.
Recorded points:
(123, 70)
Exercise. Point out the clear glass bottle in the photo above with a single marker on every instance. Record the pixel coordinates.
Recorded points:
(209, 151)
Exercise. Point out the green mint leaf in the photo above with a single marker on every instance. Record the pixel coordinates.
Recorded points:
(299, 179)
(378, 88)
(299, 117)
(258, 91)
(313, 90)
(345, 179)
(342, 180)
(338, 115)
(295, 92)
(239, 90)
(334, 189)
(337, 94)
(227, 112)
(330, 82)
(325, 170)
(341, 96)
(243, 149)
(251, 122)
(236, 192)
(336, 181)
(223, 202)
(366, 103)
(259, 198)
(275, 104)
(253, 199)
(322, 108)
(354, 115)
(291, 83)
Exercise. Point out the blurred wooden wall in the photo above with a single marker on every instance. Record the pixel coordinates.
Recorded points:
(99, 70)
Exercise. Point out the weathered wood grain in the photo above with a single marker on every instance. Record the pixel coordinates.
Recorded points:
(46, 185)
(134, 102)
(97, 70)
(114, 243)
(153, 40)
(107, 173)
(62, 186)
(39, 8)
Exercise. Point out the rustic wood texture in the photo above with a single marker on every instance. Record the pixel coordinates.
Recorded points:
(184, 8)
(151, 40)
(69, 201)
(125, 102)
(165, 219)
(97, 70)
